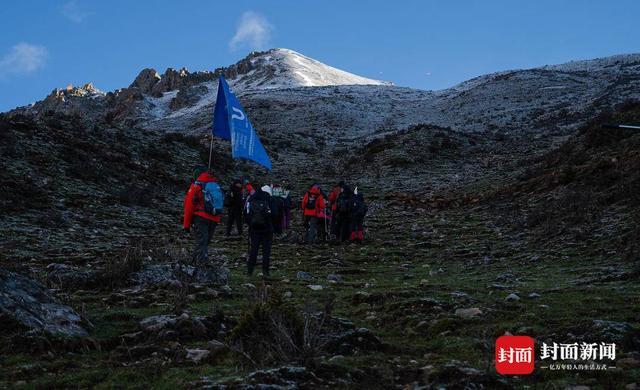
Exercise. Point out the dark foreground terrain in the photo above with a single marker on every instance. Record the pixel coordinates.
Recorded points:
(468, 238)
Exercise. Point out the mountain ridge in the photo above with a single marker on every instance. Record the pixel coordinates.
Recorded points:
(546, 101)
(166, 82)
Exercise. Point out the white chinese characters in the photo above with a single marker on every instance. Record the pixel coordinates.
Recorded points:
(514, 355)
(575, 351)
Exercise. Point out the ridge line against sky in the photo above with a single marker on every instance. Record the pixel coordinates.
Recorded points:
(420, 44)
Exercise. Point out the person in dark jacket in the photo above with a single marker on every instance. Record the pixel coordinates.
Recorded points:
(277, 211)
(260, 220)
(343, 221)
(235, 207)
(357, 212)
(203, 223)
(333, 199)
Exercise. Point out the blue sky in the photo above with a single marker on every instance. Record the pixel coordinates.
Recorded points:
(422, 44)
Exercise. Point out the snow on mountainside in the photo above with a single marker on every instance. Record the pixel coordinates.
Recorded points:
(284, 68)
(554, 99)
(287, 93)
(617, 62)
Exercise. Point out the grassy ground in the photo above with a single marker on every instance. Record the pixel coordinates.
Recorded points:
(404, 285)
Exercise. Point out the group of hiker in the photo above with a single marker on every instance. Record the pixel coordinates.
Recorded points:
(267, 211)
(339, 216)
(239, 193)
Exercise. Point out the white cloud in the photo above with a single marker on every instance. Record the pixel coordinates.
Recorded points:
(23, 58)
(254, 32)
(75, 12)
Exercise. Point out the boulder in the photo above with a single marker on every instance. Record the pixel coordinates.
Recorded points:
(183, 327)
(301, 275)
(27, 304)
(468, 313)
(197, 355)
(512, 298)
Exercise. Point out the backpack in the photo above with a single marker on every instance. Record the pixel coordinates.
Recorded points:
(213, 197)
(311, 202)
(342, 204)
(259, 213)
(358, 207)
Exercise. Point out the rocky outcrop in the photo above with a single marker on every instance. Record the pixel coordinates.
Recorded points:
(26, 304)
(171, 80)
(146, 80)
(187, 97)
(84, 101)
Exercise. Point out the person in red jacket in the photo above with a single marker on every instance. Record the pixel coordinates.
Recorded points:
(333, 201)
(203, 223)
(314, 212)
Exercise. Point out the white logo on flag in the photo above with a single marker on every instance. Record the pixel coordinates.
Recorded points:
(240, 115)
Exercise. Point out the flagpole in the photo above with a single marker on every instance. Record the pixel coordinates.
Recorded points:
(210, 151)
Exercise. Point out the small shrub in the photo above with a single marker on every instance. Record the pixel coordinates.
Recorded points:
(122, 264)
(273, 331)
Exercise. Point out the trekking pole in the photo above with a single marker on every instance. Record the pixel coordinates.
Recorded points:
(248, 243)
(621, 126)
(326, 233)
(210, 151)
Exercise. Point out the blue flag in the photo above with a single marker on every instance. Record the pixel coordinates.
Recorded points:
(230, 122)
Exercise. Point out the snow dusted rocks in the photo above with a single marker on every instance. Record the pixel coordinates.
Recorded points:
(27, 304)
(197, 355)
(280, 85)
(172, 274)
(182, 327)
(285, 68)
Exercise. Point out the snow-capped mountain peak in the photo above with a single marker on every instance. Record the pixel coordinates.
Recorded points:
(284, 68)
